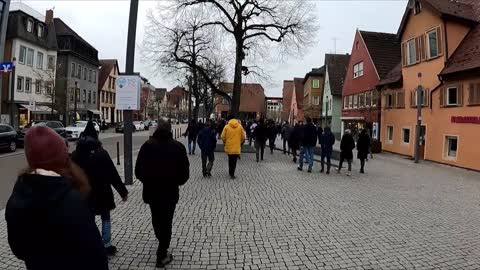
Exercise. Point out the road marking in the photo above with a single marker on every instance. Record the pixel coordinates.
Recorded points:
(22, 152)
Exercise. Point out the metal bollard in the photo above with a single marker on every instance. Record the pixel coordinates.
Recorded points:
(118, 153)
(175, 134)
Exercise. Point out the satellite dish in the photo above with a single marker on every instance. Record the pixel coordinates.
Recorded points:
(411, 3)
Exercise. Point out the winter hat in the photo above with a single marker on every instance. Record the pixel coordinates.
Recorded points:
(90, 130)
(45, 149)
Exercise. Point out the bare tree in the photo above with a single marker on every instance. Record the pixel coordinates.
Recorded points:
(255, 23)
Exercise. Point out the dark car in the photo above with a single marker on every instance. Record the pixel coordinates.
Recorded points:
(8, 138)
(55, 125)
(120, 127)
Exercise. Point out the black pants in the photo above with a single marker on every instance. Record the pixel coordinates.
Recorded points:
(259, 149)
(328, 156)
(232, 164)
(349, 161)
(286, 147)
(362, 164)
(207, 168)
(162, 218)
(294, 154)
(271, 143)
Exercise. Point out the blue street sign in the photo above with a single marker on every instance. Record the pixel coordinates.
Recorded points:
(6, 67)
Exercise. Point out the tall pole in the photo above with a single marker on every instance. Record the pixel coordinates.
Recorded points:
(75, 104)
(12, 95)
(419, 122)
(128, 114)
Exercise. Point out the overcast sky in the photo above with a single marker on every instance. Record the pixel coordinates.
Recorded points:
(104, 25)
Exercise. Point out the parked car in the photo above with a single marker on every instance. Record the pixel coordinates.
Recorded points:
(139, 126)
(8, 138)
(120, 127)
(55, 125)
(147, 124)
(75, 131)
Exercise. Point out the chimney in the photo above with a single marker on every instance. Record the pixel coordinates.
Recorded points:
(49, 16)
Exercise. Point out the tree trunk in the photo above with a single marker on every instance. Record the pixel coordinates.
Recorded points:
(237, 81)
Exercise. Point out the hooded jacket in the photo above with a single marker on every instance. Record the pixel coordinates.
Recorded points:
(162, 166)
(233, 136)
(102, 174)
(207, 141)
(50, 226)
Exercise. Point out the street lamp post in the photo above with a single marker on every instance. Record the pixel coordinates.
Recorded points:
(12, 95)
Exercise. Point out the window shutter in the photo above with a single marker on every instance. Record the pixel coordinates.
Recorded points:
(394, 100)
(460, 94)
(471, 90)
(442, 97)
(417, 49)
(439, 41)
(425, 97)
(423, 47)
(404, 54)
(412, 98)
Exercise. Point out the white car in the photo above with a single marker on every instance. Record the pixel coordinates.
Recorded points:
(75, 131)
(139, 125)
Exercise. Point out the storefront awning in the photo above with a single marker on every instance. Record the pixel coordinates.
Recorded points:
(97, 112)
(352, 118)
(38, 109)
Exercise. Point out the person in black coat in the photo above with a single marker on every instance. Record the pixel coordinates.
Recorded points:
(319, 133)
(294, 140)
(327, 140)
(346, 147)
(307, 143)
(272, 135)
(207, 141)
(102, 175)
(49, 223)
(162, 166)
(363, 147)
(260, 134)
(191, 133)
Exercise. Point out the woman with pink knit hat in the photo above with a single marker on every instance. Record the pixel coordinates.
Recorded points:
(49, 224)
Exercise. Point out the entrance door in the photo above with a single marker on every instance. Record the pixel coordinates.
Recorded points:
(423, 133)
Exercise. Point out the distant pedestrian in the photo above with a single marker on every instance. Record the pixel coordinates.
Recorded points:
(233, 136)
(191, 133)
(319, 132)
(363, 145)
(294, 140)
(260, 134)
(307, 143)
(49, 224)
(346, 147)
(327, 140)
(162, 166)
(286, 132)
(207, 141)
(271, 134)
(102, 174)
(220, 127)
(252, 128)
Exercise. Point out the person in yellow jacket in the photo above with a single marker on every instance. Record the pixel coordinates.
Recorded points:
(233, 136)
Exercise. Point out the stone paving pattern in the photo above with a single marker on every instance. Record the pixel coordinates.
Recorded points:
(397, 216)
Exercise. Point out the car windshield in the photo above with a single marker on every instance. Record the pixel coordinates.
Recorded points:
(40, 124)
(79, 124)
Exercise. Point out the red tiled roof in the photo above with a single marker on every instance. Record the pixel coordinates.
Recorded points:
(395, 75)
(467, 55)
(228, 87)
(384, 49)
(337, 65)
(107, 66)
(298, 83)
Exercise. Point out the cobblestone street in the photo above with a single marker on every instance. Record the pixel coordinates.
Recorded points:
(397, 216)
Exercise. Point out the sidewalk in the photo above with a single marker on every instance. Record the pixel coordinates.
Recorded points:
(399, 215)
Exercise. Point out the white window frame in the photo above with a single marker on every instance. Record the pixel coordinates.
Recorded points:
(374, 102)
(38, 87)
(49, 57)
(350, 102)
(29, 90)
(345, 102)
(316, 100)
(40, 31)
(390, 133)
(358, 70)
(73, 71)
(24, 49)
(40, 60)
(433, 31)
(447, 95)
(21, 84)
(446, 149)
(32, 58)
(30, 25)
(409, 53)
(315, 84)
(79, 71)
(409, 135)
(85, 73)
(94, 76)
(387, 101)
(355, 101)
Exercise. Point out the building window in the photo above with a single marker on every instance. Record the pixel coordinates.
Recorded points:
(390, 134)
(102, 99)
(418, 7)
(406, 136)
(89, 96)
(72, 73)
(423, 97)
(30, 56)
(79, 71)
(474, 94)
(28, 85)
(22, 55)
(20, 84)
(374, 98)
(89, 75)
(350, 102)
(94, 76)
(358, 70)
(30, 25)
(355, 101)
(51, 62)
(432, 44)
(38, 87)
(316, 100)
(77, 93)
(85, 73)
(49, 88)
(40, 31)
(411, 52)
(113, 86)
(451, 147)
(452, 96)
(316, 83)
(368, 99)
(84, 96)
(361, 100)
(72, 94)
(39, 60)
(389, 100)
(345, 102)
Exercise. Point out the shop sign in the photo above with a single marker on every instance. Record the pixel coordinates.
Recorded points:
(375, 131)
(466, 119)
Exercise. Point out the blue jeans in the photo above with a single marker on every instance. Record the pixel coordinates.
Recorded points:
(106, 229)
(191, 149)
(307, 153)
